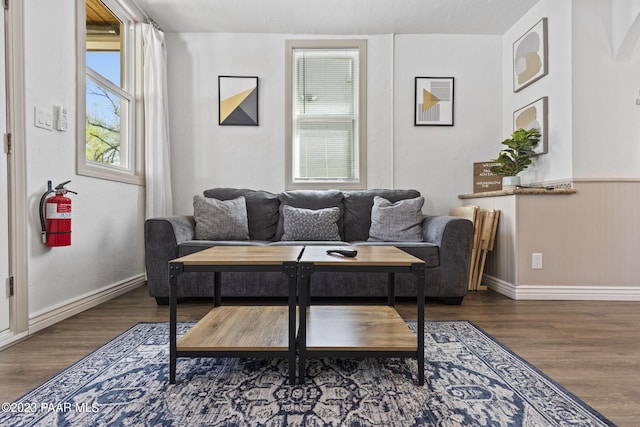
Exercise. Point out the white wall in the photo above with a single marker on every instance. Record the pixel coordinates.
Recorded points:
(594, 127)
(438, 160)
(107, 246)
(606, 119)
(556, 165)
(206, 155)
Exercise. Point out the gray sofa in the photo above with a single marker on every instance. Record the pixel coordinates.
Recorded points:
(444, 243)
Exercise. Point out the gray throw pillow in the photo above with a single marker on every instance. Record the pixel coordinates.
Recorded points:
(396, 222)
(262, 209)
(220, 219)
(310, 224)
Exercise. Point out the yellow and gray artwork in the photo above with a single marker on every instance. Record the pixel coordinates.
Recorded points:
(434, 101)
(238, 99)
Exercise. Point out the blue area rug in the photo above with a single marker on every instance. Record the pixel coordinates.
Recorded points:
(471, 380)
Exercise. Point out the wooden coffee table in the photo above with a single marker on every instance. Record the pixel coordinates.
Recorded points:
(322, 331)
(359, 331)
(237, 331)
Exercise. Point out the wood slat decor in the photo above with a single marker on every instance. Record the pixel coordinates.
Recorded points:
(485, 226)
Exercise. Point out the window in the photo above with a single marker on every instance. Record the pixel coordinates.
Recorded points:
(326, 114)
(106, 101)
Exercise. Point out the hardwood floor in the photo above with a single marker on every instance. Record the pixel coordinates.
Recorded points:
(592, 348)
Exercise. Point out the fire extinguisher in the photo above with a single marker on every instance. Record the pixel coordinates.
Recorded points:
(55, 216)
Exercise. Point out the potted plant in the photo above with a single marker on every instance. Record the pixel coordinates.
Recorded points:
(516, 157)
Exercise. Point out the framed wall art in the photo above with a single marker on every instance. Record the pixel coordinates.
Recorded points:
(534, 116)
(433, 103)
(237, 101)
(530, 56)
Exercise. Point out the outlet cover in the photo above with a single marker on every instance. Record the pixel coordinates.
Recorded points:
(536, 261)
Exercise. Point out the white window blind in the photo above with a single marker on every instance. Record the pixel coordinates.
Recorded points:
(325, 126)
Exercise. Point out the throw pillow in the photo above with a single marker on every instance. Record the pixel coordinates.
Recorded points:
(220, 219)
(396, 222)
(357, 210)
(262, 209)
(309, 224)
(310, 199)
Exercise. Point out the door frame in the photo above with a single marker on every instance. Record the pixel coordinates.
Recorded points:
(17, 167)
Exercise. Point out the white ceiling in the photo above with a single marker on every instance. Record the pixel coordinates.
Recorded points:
(336, 16)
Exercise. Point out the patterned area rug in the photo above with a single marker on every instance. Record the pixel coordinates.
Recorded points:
(471, 380)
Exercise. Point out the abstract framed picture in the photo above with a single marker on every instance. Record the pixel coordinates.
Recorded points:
(534, 116)
(530, 56)
(237, 101)
(433, 103)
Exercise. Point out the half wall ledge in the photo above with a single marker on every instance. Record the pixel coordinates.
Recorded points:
(519, 191)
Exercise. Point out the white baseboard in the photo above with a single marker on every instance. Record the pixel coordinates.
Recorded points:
(567, 293)
(8, 338)
(53, 315)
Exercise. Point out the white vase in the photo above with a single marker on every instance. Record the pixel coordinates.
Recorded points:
(510, 182)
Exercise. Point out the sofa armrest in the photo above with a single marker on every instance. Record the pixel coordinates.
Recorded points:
(161, 239)
(454, 237)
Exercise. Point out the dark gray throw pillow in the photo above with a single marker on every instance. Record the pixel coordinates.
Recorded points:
(396, 222)
(310, 224)
(220, 219)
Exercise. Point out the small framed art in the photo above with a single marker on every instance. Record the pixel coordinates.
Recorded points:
(237, 101)
(534, 116)
(433, 101)
(530, 56)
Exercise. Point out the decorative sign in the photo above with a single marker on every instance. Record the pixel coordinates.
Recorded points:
(485, 180)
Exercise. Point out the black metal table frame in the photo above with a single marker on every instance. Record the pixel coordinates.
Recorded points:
(306, 270)
(177, 268)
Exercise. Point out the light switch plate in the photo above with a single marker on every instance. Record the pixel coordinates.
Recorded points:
(43, 118)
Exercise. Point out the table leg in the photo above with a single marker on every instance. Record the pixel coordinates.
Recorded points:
(174, 270)
(217, 298)
(304, 286)
(420, 284)
(391, 289)
(293, 281)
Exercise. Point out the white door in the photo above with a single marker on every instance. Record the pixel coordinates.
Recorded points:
(5, 316)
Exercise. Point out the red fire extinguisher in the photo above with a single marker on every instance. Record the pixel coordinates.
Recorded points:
(55, 216)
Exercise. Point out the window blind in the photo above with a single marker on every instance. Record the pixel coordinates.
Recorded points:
(325, 118)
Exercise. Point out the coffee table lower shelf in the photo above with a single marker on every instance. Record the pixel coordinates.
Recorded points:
(238, 331)
(361, 330)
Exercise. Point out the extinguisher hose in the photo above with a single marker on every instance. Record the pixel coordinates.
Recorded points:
(43, 224)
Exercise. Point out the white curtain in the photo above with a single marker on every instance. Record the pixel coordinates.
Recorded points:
(159, 201)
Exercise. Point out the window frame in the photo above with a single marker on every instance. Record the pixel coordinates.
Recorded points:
(131, 80)
(360, 114)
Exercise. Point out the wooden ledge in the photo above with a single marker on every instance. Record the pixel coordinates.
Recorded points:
(518, 191)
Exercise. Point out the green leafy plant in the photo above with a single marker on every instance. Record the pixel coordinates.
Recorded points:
(516, 157)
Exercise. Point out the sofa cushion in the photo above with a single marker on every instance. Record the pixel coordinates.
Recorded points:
(310, 224)
(262, 209)
(310, 199)
(399, 221)
(357, 210)
(220, 219)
